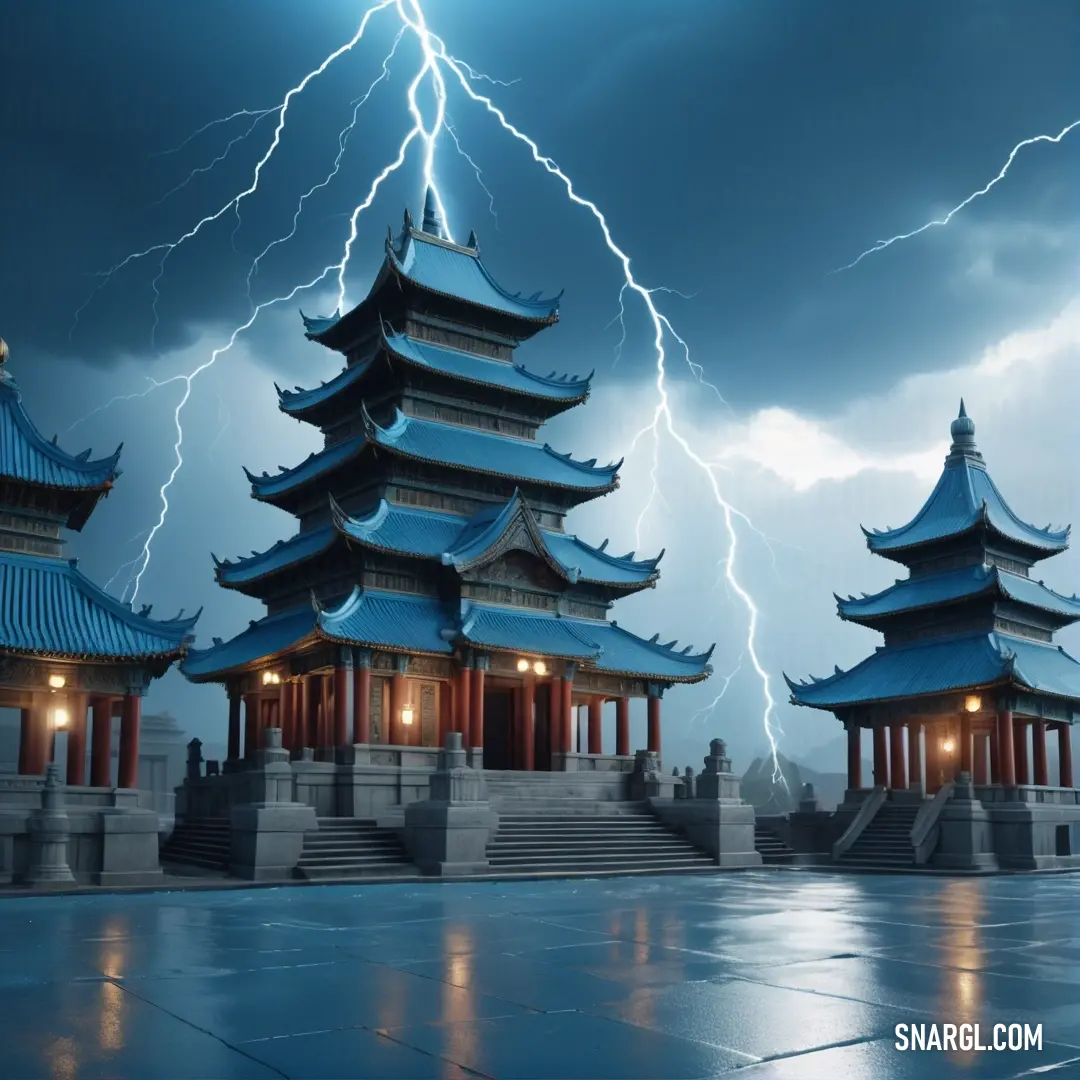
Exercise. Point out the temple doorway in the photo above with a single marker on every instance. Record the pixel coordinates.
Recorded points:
(498, 717)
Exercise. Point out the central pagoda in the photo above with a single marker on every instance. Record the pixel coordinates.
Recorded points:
(432, 585)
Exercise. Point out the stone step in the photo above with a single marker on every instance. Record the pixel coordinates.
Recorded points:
(609, 825)
(353, 861)
(593, 866)
(555, 851)
(351, 872)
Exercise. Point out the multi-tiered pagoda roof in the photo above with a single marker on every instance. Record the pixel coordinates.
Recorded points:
(432, 521)
(969, 615)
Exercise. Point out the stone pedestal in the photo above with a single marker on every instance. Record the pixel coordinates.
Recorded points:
(268, 833)
(194, 759)
(448, 833)
(129, 847)
(965, 835)
(716, 819)
(647, 781)
(49, 830)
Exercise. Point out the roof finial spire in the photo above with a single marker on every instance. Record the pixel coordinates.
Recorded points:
(432, 225)
(962, 430)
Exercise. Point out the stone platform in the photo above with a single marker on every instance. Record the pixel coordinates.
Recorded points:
(762, 975)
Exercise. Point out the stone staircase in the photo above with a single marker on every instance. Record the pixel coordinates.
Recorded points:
(773, 850)
(353, 849)
(885, 844)
(204, 843)
(616, 838)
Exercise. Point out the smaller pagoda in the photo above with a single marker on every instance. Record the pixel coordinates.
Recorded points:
(65, 645)
(969, 665)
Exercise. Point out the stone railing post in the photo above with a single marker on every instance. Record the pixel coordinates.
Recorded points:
(447, 834)
(49, 831)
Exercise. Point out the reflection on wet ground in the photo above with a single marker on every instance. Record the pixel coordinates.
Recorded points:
(762, 975)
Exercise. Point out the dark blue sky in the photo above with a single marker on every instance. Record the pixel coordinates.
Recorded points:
(740, 150)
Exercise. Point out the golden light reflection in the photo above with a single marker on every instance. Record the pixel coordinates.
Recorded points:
(963, 960)
(63, 1061)
(641, 936)
(111, 1017)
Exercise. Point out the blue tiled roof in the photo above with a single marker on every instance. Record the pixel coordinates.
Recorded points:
(498, 455)
(446, 268)
(465, 366)
(959, 584)
(447, 444)
(26, 455)
(47, 607)
(404, 530)
(481, 369)
(267, 487)
(606, 646)
(315, 324)
(965, 496)
(264, 637)
(567, 555)
(944, 665)
(284, 553)
(389, 620)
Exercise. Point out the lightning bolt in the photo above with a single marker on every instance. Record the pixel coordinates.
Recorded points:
(940, 222)
(703, 714)
(437, 64)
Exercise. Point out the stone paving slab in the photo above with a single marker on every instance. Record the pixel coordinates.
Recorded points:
(761, 975)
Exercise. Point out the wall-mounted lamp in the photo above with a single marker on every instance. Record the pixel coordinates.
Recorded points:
(271, 678)
(948, 746)
(57, 682)
(60, 719)
(407, 716)
(972, 703)
(523, 665)
(540, 667)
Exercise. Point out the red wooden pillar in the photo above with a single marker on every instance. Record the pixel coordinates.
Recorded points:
(304, 727)
(1065, 769)
(452, 703)
(76, 744)
(40, 741)
(101, 742)
(881, 757)
(596, 725)
(465, 705)
(567, 706)
(897, 765)
(362, 699)
(232, 752)
(251, 724)
(854, 756)
(622, 727)
(555, 713)
(1020, 751)
(965, 743)
(26, 738)
(528, 730)
(128, 770)
(476, 725)
(1006, 748)
(398, 735)
(995, 756)
(653, 733)
(342, 678)
(979, 770)
(914, 754)
(933, 759)
(286, 714)
(1038, 752)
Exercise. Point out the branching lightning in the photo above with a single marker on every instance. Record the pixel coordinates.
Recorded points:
(939, 222)
(437, 65)
(707, 712)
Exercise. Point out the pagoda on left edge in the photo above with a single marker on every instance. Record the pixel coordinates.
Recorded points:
(66, 647)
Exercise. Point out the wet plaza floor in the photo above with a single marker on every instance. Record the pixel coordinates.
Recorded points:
(763, 975)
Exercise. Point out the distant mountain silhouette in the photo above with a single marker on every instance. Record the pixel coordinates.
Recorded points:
(775, 797)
